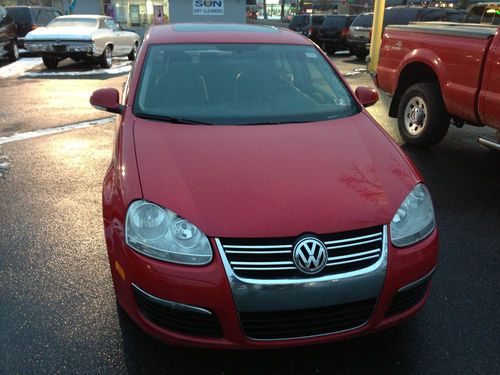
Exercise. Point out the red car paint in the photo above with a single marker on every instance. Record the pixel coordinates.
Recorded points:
(464, 61)
(250, 182)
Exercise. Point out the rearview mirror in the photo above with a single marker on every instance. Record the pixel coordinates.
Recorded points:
(366, 95)
(107, 100)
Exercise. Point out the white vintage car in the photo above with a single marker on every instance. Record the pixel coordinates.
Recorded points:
(82, 37)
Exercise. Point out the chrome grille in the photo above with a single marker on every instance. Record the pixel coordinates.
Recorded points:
(271, 258)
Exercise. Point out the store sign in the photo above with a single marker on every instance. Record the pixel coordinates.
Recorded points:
(208, 7)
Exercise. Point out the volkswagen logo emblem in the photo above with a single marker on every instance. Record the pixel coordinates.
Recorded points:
(310, 255)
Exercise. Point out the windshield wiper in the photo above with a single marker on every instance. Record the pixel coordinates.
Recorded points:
(173, 120)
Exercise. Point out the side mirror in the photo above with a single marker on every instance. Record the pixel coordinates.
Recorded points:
(366, 95)
(107, 100)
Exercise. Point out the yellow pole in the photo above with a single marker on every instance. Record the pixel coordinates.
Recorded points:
(378, 24)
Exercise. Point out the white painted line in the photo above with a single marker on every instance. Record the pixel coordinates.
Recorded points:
(119, 69)
(19, 67)
(49, 131)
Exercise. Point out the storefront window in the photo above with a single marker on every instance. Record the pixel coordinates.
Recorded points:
(138, 13)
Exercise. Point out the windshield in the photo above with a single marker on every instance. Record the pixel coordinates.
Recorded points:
(363, 20)
(73, 22)
(240, 84)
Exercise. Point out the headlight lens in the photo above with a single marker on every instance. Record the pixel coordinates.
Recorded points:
(162, 234)
(414, 219)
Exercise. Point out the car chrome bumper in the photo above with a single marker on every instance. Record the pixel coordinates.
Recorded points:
(61, 47)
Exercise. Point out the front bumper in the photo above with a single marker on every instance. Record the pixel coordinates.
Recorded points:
(163, 298)
(61, 48)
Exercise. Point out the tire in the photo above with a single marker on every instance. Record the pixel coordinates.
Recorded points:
(50, 61)
(361, 55)
(106, 59)
(132, 55)
(422, 116)
(13, 51)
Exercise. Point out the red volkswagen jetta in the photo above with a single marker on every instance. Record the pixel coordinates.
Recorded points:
(252, 202)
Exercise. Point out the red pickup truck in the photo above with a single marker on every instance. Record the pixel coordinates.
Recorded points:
(437, 72)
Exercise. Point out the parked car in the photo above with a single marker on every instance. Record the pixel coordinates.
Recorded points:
(307, 24)
(456, 77)
(485, 13)
(8, 36)
(333, 32)
(301, 222)
(82, 37)
(399, 15)
(359, 35)
(28, 18)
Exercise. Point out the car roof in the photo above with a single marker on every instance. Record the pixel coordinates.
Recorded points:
(222, 33)
(80, 16)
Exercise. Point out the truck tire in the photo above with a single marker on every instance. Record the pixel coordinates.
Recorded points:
(50, 61)
(131, 56)
(106, 59)
(422, 116)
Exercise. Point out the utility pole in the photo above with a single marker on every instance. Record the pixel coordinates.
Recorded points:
(376, 40)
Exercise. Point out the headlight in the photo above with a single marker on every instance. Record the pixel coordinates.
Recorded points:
(414, 219)
(162, 234)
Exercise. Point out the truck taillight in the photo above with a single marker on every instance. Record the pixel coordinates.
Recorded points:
(345, 31)
(370, 34)
(310, 31)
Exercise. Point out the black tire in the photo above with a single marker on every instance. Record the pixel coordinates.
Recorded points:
(106, 59)
(361, 55)
(50, 61)
(132, 55)
(422, 116)
(13, 51)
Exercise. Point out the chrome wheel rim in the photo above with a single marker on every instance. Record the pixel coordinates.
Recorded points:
(415, 116)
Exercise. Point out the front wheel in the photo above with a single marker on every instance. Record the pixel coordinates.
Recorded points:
(106, 59)
(50, 61)
(422, 116)
(131, 56)
(13, 51)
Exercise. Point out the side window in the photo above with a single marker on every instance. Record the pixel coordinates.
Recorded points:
(475, 14)
(432, 15)
(111, 24)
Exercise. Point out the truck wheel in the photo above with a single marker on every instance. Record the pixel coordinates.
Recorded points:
(50, 61)
(13, 51)
(106, 59)
(422, 116)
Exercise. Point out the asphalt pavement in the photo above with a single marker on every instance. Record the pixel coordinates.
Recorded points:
(57, 306)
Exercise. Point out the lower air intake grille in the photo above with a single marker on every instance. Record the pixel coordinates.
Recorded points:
(406, 299)
(175, 317)
(308, 322)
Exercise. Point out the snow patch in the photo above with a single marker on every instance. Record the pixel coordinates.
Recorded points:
(19, 67)
(119, 69)
(49, 131)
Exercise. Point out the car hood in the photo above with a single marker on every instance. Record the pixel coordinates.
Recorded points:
(63, 33)
(276, 180)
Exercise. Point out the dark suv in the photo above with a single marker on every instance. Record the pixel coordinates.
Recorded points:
(333, 32)
(360, 30)
(8, 39)
(28, 18)
(307, 24)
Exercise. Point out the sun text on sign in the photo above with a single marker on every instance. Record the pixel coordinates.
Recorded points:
(208, 7)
